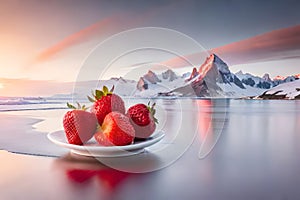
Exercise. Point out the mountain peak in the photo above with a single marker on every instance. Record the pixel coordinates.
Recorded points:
(150, 72)
(169, 75)
(266, 77)
(193, 74)
(217, 58)
(213, 61)
(151, 77)
(222, 66)
(239, 73)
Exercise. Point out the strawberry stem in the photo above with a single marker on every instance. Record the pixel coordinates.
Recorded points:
(79, 107)
(152, 111)
(112, 89)
(71, 106)
(98, 94)
(105, 90)
(91, 99)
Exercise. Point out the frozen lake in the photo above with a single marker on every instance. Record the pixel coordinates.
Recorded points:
(216, 149)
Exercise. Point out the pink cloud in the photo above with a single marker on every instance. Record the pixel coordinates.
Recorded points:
(186, 60)
(102, 28)
(278, 44)
(274, 45)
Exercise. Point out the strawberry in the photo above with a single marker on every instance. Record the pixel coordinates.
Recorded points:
(102, 139)
(79, 125)
(105, 102)
(142, 119)
(117, 129)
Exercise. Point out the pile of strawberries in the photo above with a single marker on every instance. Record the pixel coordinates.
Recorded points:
(108, 120)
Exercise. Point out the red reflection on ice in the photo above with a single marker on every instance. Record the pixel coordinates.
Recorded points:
(204, 118)
(110, 178)
(79, 175)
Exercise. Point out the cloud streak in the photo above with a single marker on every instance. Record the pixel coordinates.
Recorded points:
(275, 45)
(100, 29)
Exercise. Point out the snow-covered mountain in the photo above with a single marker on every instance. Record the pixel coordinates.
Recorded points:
(264, 82)
(289, 90)
(255, 81)
(213, 79)
(152, 84)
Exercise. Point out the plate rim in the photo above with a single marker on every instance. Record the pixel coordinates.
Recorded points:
(159, 135)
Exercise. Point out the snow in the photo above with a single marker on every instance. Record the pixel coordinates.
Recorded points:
(233, 91)
(172, 84)
(164, 86)
(245, 76)
(290, 89)
(221, 65)
(242, 76)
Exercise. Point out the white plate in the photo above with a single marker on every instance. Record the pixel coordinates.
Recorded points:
(92, 148)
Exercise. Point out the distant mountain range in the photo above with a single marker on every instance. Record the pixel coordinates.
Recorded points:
(212, 79)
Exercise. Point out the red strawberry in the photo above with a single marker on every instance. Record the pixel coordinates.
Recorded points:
(101, 138)
(117, 129)
(105, 102)
(79, 125)
(142, 119)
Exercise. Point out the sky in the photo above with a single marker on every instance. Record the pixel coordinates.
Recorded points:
(48, 41)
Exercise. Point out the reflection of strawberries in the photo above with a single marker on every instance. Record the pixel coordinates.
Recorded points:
(111, 178)
(80, 176)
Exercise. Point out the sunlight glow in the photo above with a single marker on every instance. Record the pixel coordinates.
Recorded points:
(279, 78)
(1, 85)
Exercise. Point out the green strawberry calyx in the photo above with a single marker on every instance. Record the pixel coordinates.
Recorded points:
(98, 94)
(152, 111)
(78, 107)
